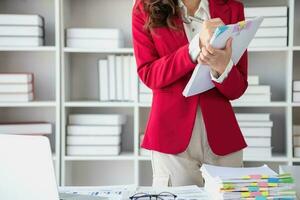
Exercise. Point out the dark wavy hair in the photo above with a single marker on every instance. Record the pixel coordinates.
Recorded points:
(161, 13)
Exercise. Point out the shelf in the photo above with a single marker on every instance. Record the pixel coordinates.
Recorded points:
(35, 49)
(144, 157)
(296, 48)
(85, 50)
(296, 104)
(29, 104)
(274, 158)
(97, 104)
(122, 156)
(239, 104)
(266, 49)
(296, 159)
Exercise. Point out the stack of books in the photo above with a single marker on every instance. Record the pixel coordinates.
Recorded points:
(296, 91)
(145, 93)
(99, 38)
(21, 30)
(273, 31)
(296, 134)
(16, 87)
(257, 183)
(257, 130)
(255, 92)
(94, 134)
(143, 152)
(117, 78)
(26, 128)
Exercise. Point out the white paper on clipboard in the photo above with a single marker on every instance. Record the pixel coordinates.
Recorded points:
(242, 33)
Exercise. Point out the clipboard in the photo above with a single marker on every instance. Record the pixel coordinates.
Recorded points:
(242, 33)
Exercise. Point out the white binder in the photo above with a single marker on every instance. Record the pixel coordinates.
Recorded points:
(242, 33)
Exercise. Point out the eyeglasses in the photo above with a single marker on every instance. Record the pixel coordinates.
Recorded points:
(161, 196)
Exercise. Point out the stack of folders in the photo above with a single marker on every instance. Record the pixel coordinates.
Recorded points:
(143, 152)
(16, 87)
(21, 30)
(94, 134)
(296, 134)
(296, 91)
(117, 78)
(257, 183)
(145, 93)
(26, 128)
(257, 130)
(100, 38)
(255, 92)
(273, 31)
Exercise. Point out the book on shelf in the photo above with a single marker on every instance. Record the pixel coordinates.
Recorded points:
(296, 86)
(255, 152)
(297, 152)
(26, 128)
(272, 32)
(296, 96)
(16, 97)
(21, 41)
(258, 89)
(92, 33)
(266, 11)
(119, 78)
(269, 42)
(256, 131)
(258, 141)
(296, 140)
(112, 150)
(254, 98)
(127, 77)
(255, 124)
(252, 116)
(273, 21)
(103, 80)
(84, 130)
(16, 88)
(13, 78)
(29, 31)
(97, 119)
(21, 20)
(94, 140)
(253, 80)
(112, 77)
(134, 79)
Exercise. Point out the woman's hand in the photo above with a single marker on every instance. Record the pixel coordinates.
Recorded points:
(208, 29)
(217, 59)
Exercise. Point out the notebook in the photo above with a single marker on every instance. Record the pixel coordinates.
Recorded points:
(242, 33)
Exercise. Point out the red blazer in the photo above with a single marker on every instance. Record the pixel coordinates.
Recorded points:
(165, 66)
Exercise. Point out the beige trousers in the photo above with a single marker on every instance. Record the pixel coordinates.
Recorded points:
(183, 169)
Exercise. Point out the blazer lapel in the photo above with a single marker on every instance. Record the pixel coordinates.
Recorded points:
(219, 8)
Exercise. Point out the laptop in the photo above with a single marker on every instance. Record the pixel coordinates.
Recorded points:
(27, 172)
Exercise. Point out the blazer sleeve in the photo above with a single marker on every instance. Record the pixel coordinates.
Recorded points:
(236, 82)
(155, 71)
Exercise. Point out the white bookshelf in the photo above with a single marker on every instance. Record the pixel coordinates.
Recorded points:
(67, 82)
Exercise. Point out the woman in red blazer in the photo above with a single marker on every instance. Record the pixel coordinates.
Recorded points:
(179, 139)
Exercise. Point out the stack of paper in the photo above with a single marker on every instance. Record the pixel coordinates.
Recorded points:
(255, 92)
(145, 93)
(94, 134)
(117, 78)
(273, 31)
(143, 152)
(21, 30)
(257, 129)
(296, 134)
(101, 38)
(296, 91)
(247, 183)
(26, 128)
(16, 87)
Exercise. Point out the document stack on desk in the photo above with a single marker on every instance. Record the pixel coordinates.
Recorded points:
(273, 31)
(16, 87)
(21, 30)
(296, 141)
(98, 38)
(94, 134)
(255, 92)
(257, 131)
(257, 183)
